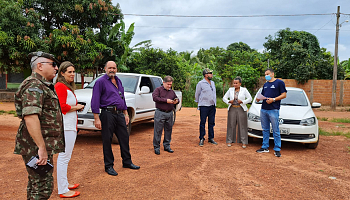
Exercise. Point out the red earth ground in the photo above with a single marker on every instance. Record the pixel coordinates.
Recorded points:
(193, 172)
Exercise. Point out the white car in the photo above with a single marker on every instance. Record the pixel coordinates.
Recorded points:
(138, 89)
(297, 120)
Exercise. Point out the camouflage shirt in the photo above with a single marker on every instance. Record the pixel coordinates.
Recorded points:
(36, 95)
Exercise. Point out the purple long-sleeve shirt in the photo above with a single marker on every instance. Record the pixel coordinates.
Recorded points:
(106, 94)
(160, 96)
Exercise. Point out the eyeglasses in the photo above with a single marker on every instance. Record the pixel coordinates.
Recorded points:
(54, 64)
(210, 73)
(121, 95)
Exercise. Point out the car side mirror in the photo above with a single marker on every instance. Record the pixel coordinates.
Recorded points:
(144, 90)
(315, 105)
(85, 84)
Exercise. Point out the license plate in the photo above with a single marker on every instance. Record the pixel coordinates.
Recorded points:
(283, 131)
(80, 122)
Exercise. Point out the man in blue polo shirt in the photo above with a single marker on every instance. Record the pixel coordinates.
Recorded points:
(274, 90)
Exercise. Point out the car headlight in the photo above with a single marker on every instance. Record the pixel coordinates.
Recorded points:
(254, 118)
(308, 122)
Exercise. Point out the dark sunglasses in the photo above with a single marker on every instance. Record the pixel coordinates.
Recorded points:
(54, 64)
(121, 95)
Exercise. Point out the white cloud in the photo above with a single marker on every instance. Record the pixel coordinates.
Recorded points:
(191, 34)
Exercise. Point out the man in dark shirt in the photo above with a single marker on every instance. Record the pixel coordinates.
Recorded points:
(108, 94)
(274, 90)
(165, 99)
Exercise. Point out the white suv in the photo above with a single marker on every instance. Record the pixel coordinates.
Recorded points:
(138, 89)
(297, 120)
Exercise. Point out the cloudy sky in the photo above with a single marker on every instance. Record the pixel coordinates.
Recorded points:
(193, 33)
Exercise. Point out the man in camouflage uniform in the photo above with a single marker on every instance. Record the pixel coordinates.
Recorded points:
(41, 129)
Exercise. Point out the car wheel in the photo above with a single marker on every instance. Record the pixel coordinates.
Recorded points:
(313, 145)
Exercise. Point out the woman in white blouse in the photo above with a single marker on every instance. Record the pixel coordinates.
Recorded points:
(65, 91)
(237, 97)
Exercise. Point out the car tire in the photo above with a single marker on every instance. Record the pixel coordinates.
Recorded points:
(313, 145)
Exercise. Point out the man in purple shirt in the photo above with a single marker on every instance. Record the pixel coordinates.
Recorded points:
(165, 99)
(108, 94)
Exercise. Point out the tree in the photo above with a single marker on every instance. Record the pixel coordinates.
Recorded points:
(160, 63)
(345, 65)
(239, 46)
(294, 51)
(67, 44)
(119, 39)
(18, 35)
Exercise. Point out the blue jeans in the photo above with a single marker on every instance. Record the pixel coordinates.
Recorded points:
(207, 111)
(267, 117)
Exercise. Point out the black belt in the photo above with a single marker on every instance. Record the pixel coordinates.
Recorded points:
(167, 111)
(112, 109)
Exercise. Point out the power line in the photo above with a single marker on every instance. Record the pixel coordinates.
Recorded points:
(228, 16)
(223, 28)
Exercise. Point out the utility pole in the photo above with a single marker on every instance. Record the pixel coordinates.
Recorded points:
(334, 88)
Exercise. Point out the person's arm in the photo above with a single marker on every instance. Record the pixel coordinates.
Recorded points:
(97, 121)
(34, 129)
(226, 96)
(248, 97)
(198, 91)
(95, 104)
(62, 94)
(156, 96)
(280, 97)
(126, 116)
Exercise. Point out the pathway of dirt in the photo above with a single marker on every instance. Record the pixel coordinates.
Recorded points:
(193, 172)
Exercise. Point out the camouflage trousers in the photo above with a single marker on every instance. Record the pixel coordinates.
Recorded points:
(39, 187)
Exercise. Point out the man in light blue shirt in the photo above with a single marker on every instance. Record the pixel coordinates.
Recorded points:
(206, 99)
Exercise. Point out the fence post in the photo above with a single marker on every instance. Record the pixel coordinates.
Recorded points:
(341, 93)
(312, 91)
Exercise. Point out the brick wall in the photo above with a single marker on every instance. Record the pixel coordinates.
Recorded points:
(321, 90)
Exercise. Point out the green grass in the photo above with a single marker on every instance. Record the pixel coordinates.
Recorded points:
(16, 85)
(11, 112)
(333, 133)
(340, 120)
(13, 85)
(322, 118)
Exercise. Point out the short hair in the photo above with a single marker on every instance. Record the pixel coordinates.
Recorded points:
(238, 78)
(35, 61)
(168, 79)
(270, 69)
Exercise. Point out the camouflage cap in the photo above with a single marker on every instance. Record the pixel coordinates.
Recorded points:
(207, 71)
(35, 55)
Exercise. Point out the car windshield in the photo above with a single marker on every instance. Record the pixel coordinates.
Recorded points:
(129, 82)
(294, 98)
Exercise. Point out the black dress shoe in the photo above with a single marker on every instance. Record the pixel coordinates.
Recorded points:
(212, 141)
(131, 166)
(157, 151)
(169, 150)
(111, 171)
(201, 142)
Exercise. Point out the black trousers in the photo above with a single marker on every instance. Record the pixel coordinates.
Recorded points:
(114, 123)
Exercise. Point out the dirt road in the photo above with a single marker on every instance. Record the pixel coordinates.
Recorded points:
(193, 172)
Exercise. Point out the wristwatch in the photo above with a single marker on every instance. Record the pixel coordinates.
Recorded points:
(274, 99)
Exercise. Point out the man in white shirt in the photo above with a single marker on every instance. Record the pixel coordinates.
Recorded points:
(206, 99)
